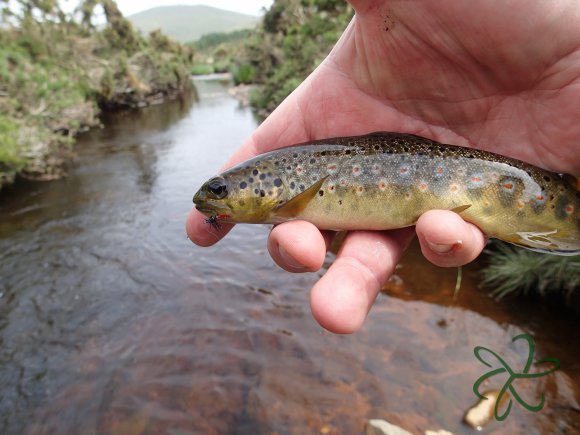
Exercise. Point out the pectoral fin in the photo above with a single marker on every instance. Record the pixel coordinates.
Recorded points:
(294, 206)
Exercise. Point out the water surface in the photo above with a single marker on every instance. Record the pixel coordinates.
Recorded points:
(111, 321)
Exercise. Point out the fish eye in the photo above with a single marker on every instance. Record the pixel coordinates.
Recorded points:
(217, 187)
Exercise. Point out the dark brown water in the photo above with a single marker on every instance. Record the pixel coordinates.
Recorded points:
(113, 322)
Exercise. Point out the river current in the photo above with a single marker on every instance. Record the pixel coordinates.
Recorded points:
(112, 322)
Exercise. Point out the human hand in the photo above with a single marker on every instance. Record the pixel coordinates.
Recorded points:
(500, 76)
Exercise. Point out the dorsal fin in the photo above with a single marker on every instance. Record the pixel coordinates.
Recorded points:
(294, 206)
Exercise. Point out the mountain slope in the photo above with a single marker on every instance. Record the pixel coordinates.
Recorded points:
(189, 23)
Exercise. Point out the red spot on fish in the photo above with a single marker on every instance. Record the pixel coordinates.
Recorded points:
(332, 167)
(508, 186)
(569, 209)
(540, 197)
(223, 216)
(439, 170)
(403, 170)
(454, 188)
(382, 185)
(476, 179)
(520, 204)
(423, 187)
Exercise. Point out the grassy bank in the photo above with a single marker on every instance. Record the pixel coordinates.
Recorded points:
(58, 71)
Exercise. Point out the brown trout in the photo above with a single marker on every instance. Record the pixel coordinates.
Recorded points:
(386, 180)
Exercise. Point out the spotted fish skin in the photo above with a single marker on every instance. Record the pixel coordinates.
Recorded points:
(387, 180)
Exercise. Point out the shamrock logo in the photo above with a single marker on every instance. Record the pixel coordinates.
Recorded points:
(525, 374)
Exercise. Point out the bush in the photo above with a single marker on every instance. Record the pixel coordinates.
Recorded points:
(243, 74)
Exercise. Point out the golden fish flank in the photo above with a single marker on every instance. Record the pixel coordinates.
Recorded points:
(387, 180)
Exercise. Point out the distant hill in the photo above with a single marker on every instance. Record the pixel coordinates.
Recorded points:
(189, 23)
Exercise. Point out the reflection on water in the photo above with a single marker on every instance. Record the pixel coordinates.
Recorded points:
(113, 322)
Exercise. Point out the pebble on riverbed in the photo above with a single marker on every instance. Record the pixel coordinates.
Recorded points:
(383, 427)
(482, 412)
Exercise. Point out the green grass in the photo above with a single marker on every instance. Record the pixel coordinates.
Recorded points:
(513, 270)
(10, 156)
(201, 69)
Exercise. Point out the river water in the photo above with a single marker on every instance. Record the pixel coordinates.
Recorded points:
(111, 321)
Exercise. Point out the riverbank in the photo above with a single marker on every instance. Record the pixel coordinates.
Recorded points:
(58, 74)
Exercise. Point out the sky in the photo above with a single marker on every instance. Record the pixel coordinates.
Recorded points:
(251, 7)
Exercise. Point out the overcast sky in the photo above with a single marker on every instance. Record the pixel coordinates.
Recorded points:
(251, 7)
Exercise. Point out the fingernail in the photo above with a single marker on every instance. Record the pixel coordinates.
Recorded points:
(443, 248)
(289, 260)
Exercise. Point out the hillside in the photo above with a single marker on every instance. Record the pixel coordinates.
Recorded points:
(189, 23)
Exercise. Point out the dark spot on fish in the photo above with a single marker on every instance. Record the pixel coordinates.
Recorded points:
(262, 176)
(277, 182)
(320, 192)
(295, 155)
(470, 156)
(255, 172)
(302, 187)
(243, 185)
(262, 193)
(269, 193)
(289, 168)
(251, 179)
(256, 191)
(347, 152)
(292, 185)
(340, 202)
(561, 205)
(323, 153)
(312, 161)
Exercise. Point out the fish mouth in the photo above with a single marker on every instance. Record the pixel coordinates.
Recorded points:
(209, 207)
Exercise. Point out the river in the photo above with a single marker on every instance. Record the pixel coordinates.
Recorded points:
(112, 322)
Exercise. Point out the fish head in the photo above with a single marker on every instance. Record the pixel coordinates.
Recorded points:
(247, 193)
